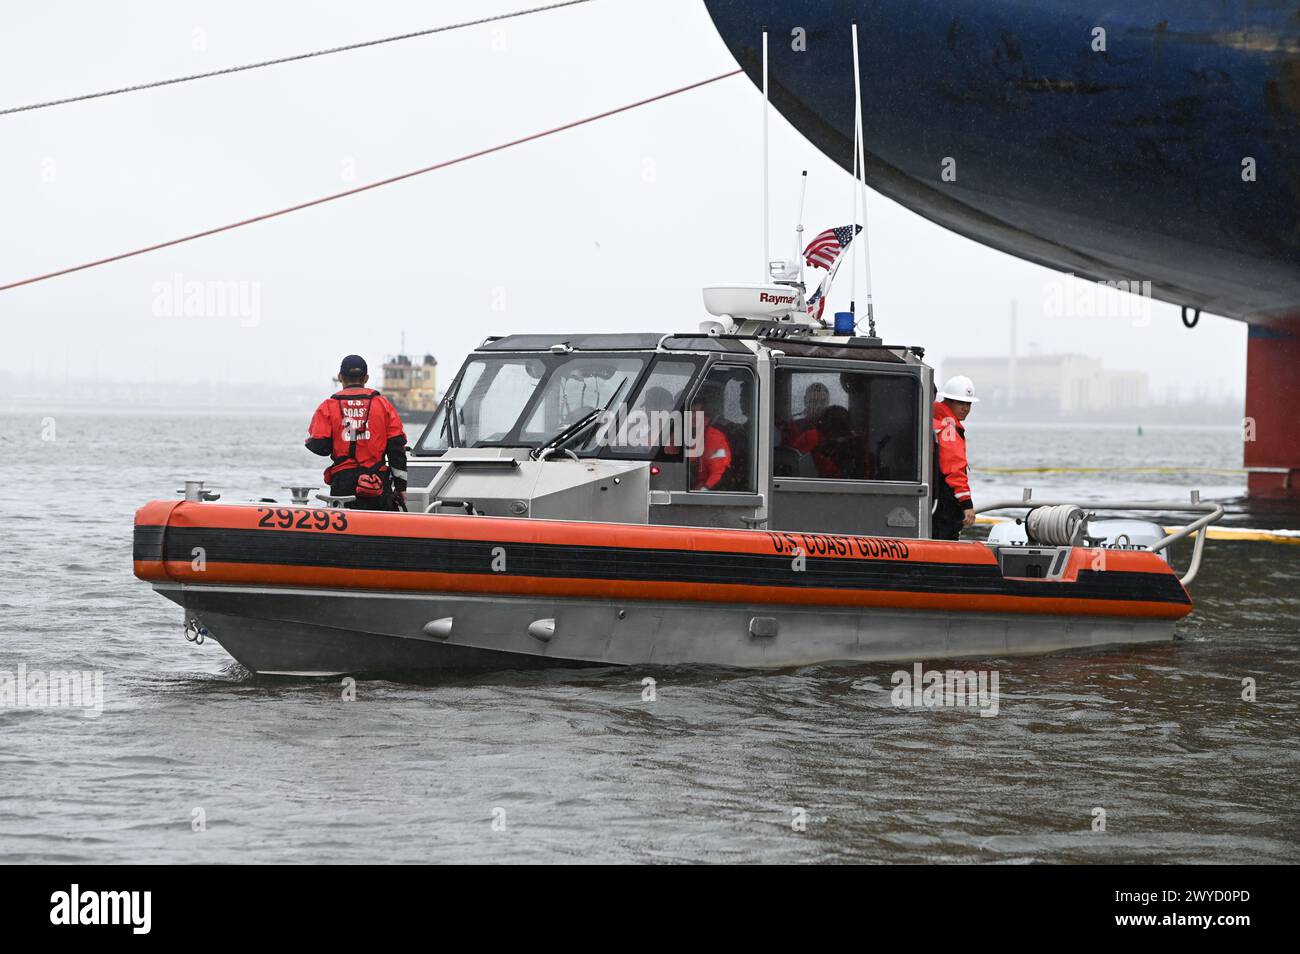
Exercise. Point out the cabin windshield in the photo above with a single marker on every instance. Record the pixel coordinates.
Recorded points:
(526, 400)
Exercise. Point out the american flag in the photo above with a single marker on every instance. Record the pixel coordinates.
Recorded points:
(827, 247)
(817, 303)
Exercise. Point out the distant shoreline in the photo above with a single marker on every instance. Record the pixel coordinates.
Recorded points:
(24, 406)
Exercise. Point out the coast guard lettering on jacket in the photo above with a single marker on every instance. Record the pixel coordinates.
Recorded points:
(359, 428)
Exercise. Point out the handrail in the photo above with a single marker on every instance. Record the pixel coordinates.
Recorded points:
(435, 506)
(1212, 513)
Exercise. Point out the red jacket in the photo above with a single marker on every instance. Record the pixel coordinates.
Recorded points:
(707, 469)
(804, 437)
(364, 415)
(951, 437)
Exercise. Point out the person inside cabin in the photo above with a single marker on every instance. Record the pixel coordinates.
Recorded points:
(737, 426)
(658, 405)
(712, 459)
(838, 452)
(953, 508)
(861, 452)
(361, 432)
(804, 433)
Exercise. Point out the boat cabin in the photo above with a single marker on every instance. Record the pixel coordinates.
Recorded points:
(772, 427)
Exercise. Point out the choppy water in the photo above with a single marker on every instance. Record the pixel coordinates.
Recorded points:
(575, 763)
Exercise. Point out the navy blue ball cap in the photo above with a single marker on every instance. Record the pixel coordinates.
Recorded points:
(353, 366)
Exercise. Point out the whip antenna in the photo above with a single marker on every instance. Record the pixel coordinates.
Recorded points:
(798, 228)
(766, 246)
(853, 196)
(860, 168)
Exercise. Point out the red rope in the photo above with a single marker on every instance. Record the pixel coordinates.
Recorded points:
(367, 186)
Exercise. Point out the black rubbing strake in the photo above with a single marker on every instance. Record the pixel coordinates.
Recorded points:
(557, 560)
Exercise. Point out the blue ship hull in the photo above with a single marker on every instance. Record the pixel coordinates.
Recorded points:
(1124, 164)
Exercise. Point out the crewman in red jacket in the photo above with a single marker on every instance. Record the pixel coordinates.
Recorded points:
(804, 434)
(712, 456)
(953, 508)
(361, 432)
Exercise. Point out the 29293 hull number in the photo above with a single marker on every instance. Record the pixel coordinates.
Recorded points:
(282, 518)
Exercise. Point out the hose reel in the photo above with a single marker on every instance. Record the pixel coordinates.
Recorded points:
(1062, 525)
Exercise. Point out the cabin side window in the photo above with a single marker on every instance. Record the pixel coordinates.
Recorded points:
(845, 425)
(721, 432)
(653, 421)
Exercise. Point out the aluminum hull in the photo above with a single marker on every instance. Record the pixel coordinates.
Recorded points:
(318, 632)
(300, 590)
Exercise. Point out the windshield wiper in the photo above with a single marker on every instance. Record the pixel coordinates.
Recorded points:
(579, 427)
(568, 434)
(449, 425)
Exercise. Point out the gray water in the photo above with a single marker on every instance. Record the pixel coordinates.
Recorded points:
(575, 765)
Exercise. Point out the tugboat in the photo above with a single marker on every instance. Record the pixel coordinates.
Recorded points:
(567, 508)
(411, 387)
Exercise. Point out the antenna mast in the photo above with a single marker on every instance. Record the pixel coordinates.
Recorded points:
(853, 196)
(767, 249)
(798, 228)
(860, 168)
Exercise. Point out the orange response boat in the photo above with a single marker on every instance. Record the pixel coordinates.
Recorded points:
(559, 516)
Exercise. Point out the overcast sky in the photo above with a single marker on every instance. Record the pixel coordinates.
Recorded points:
(613, 226)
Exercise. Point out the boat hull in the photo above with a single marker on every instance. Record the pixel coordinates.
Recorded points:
(305, 632)
(379, 593)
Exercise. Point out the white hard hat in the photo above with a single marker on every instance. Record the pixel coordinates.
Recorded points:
(959, 388)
